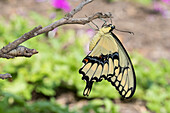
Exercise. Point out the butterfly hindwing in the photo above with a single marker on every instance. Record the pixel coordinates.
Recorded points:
(91, 71)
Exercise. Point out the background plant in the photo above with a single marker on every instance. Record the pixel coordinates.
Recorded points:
(36, 81)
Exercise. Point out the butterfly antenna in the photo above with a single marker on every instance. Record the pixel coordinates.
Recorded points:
(125, 31)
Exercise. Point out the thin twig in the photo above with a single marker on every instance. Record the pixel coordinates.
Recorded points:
(78, 8)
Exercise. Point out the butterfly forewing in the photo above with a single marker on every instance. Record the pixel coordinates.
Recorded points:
(127, 75)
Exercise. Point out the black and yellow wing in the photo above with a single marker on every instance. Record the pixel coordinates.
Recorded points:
(108, 59)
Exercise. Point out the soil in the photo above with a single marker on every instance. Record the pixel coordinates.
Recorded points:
(151, 32)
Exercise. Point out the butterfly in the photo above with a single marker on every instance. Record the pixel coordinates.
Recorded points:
(108, 60)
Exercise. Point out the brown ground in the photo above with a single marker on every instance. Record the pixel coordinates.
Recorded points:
(151, 30)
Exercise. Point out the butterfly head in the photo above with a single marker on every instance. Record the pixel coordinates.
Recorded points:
(107, 28)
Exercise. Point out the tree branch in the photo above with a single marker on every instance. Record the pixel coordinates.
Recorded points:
(13, 49)
(73, 21)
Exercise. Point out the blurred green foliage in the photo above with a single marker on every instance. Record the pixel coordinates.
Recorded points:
(144, 2)
(153, 83)
(57, 64)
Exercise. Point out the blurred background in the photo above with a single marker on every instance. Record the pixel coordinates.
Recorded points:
(49, 82)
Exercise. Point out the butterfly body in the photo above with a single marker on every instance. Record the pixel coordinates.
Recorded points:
(108, 60)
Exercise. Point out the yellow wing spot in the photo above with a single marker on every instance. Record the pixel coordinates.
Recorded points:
(116, 62)
(126, 87)
(120, 88)
(123, 81)
(125, 72)
(98, 71)
(105, 70)
(86, 67)
(117, 71)
(92, 70)
(117, 83)
(87, 91)
(120, 77)
(128, 93)
(110, 66)
(123, 92)
(113, 79)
